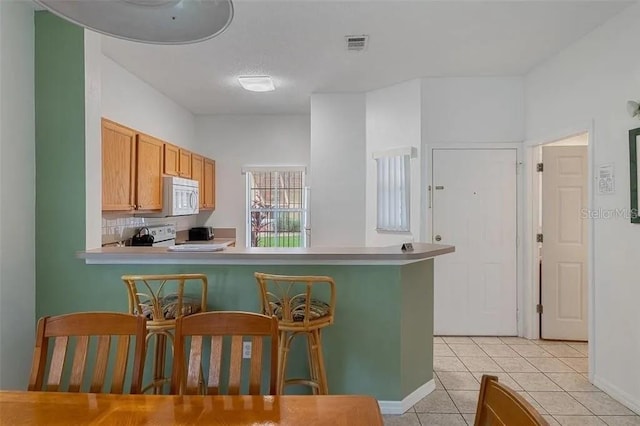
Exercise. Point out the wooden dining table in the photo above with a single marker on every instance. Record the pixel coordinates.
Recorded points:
(58, 408)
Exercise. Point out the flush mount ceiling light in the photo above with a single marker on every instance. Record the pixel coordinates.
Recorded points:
(257, 83)
(633, 108)
(148, 21)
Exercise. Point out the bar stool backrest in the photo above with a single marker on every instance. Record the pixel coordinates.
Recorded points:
(299, 302)
(162, 299)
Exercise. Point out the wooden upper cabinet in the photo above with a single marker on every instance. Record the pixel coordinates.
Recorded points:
(171, 160)
(208, 194)
(197, 173)
(149, 165)
(177, 161)
(185, 163)
(118, 167)
(133, 165)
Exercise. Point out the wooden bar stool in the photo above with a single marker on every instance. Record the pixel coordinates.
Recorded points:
(161, 299)
(292, 299)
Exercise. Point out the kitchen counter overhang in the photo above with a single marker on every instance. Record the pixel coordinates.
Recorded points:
(392, 255)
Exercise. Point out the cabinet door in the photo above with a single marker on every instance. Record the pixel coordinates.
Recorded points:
(149, 166)
(185, 163)
(171, 160)
(118, 167)
(209, 192)
(197, 173)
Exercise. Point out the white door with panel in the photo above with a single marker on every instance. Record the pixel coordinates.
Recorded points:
(564, 246)
(474, 196)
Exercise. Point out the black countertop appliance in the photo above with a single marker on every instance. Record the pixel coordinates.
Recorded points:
(202, 233)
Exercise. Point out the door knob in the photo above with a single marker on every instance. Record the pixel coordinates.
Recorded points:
(438, 238)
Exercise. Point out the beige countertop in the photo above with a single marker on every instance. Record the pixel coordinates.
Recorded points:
(392, 255)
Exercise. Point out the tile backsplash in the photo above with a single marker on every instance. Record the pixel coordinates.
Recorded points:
(117, 228)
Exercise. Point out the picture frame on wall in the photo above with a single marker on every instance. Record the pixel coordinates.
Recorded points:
(634, 162)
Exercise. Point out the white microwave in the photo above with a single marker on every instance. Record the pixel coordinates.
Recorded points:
(181, 196)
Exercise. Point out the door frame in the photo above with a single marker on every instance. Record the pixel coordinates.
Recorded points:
(530, 218)
(427, 219)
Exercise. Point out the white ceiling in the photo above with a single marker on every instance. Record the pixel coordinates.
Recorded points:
(301, 45)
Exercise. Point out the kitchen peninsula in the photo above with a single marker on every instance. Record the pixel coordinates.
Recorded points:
(381, 343)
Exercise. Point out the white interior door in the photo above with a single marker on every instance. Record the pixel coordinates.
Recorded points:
(474, 209)
(564, 246)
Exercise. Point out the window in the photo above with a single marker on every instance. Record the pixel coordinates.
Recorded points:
(276, 207)
(393, 189)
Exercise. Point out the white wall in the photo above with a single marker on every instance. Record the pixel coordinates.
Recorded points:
(338, 168)
(478, 109)
(132, 102)
(235, 141)
(93, 137)
(591, 81)
(17, 192)
(393, 120)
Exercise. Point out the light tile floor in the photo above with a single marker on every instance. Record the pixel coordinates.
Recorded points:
(552, 376)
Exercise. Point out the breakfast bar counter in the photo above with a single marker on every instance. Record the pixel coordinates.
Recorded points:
(381, 342)
(271, 255)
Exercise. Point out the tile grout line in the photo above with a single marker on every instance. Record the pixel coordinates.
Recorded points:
(447, 390)
(546, 374)
(551, 356)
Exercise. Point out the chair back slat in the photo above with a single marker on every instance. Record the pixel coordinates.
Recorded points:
(235, 365)
(57, 363)
(193, 372)
(500, 405)
(255, 375)
(81, 327)
(237, 325)
(79, 363)
(102, 360)
(215, 366)
(120, 367)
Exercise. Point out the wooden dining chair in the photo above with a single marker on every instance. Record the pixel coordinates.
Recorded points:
(188, 376)
(72, 335)
(500, 405)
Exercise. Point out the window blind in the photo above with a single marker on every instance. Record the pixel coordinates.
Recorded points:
(393, 191)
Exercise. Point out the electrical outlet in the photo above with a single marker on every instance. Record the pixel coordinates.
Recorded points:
(246, 350)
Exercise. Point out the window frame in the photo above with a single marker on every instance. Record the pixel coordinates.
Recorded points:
(303, 210)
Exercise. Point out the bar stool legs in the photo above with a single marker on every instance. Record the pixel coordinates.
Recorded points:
(321, 372)
(318, 377)
(159, 361)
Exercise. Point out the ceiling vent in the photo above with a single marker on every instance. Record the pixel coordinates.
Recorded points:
(356, 42)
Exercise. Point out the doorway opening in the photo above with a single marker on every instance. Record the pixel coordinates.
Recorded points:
(561, 193)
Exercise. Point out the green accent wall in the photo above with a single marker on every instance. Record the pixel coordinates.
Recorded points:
(381, 342)
(416, 325)
(60, 163)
